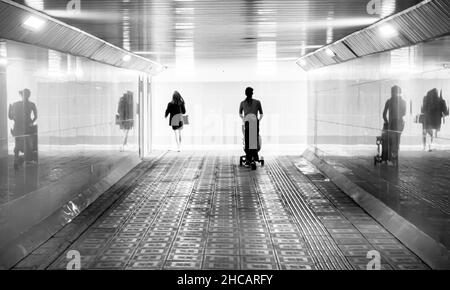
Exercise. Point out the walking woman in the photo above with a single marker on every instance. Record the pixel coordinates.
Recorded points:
(176, 109)
(434, 109)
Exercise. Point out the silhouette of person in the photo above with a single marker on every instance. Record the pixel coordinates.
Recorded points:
(250, 106)
(125, 115)
(176, 108)
(24, 129)
(394, 111)
(434, 108)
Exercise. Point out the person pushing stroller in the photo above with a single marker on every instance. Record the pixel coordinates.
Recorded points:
(393, 113)
(251, 109)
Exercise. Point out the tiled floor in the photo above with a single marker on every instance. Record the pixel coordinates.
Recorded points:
(203, 211)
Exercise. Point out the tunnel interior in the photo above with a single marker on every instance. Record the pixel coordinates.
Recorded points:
(85, 100)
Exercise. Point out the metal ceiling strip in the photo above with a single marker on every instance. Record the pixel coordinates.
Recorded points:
(426, 20)
(59, 36)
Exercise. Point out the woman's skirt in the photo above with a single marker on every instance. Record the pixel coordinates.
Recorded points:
(179, 127)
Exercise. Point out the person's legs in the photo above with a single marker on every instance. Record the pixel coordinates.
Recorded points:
(125, 140)
(433, 136)
(390, 143)
(19, 147)
(396, 144)
(16, 148)
(431, 133)
(177, 140)
(424, 139)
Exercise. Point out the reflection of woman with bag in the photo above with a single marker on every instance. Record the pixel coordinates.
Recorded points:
(434, 109)
(125, 115)
(176, 109)
(395, 109)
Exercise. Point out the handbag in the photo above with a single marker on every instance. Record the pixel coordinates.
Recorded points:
(185, 120)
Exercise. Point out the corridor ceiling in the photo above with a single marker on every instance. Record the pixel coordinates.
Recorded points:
(164, 30)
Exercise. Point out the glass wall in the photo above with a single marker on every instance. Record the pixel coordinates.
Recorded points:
(345, 105)
(59, 131)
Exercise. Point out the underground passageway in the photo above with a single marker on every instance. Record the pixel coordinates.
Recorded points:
(204, 211)
(123, 126)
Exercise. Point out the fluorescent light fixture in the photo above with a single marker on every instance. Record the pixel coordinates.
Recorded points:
(266, 11)
(387, 31)
(3, 61)
(330, 52)
(36, 4)
(184, 25)
(185, 11)
(126, 57)
(34, 23)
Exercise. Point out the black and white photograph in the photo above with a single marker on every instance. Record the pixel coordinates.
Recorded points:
(225, 142)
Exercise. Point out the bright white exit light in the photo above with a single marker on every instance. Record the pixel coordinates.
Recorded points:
(330, 52)
(126, 57)
(34, 23)
(387, 31)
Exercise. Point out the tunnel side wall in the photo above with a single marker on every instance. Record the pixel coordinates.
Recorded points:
(346, 101)
(75, 154)
(345, 107)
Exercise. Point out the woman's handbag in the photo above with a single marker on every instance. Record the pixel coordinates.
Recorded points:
(185, 119)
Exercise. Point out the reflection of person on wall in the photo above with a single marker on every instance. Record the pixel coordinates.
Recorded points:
(250, 106)
(176, 108)
(396, 107)
(434, 109)
(125, 115)
(24, 129)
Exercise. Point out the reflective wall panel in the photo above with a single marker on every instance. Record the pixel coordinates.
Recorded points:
(75, 141)
(345, 107)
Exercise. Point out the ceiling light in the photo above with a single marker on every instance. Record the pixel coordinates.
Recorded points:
(126, 57)
(3, 61)
(330, 52)
(302, 62)
(36, 4)
(387, 31)
(34, 23)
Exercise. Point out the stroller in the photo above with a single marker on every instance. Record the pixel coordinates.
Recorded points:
(252, 142)
(383, 150)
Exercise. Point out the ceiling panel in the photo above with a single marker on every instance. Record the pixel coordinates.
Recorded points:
(56, 35)
(163, 30)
